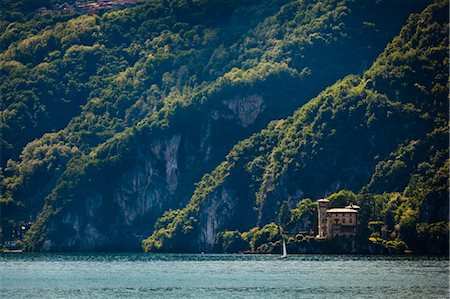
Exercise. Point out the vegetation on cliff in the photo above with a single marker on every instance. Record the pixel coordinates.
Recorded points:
(108, 121)
(382, 135)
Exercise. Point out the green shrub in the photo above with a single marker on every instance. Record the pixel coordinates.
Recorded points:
(230, 242)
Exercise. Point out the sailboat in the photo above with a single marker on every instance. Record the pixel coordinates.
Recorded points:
(284, 255)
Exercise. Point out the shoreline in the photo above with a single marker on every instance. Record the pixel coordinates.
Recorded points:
(406, 253)
(12, 250)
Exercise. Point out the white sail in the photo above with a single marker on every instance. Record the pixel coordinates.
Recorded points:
(284, 250)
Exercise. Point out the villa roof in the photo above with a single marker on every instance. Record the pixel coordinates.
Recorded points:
(352, 206)
(341, 210)
(323, 200)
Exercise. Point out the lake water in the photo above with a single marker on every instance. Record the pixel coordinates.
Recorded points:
(137, 275)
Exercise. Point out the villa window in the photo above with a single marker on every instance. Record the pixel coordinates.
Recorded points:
(343, 220)
(350, 220)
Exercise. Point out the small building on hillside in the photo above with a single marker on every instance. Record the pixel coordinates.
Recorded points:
(336, 222)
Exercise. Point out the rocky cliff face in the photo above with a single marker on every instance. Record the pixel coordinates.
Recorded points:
(245, 109)
(218, 211)
(336, 141)
(161, 177)
(285, 61)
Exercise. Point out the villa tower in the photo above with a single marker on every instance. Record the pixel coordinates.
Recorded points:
(322, 217)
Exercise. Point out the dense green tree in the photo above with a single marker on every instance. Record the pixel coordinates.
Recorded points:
(230, 242)
(382, 136)
(284, 215)
(85, 97)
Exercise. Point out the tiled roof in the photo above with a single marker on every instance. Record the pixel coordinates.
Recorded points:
(341, 210)
(323, 200)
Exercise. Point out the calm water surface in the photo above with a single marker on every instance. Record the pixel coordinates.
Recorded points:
(137, 275)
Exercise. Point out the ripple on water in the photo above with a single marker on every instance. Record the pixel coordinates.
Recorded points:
(136, 275)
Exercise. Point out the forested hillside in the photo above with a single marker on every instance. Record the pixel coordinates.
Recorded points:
(109, 120)
(382, 135)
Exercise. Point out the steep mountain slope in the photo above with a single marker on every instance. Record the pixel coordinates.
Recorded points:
(385, 131)
(168, 88)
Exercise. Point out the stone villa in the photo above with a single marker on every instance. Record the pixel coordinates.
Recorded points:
(341, 222)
